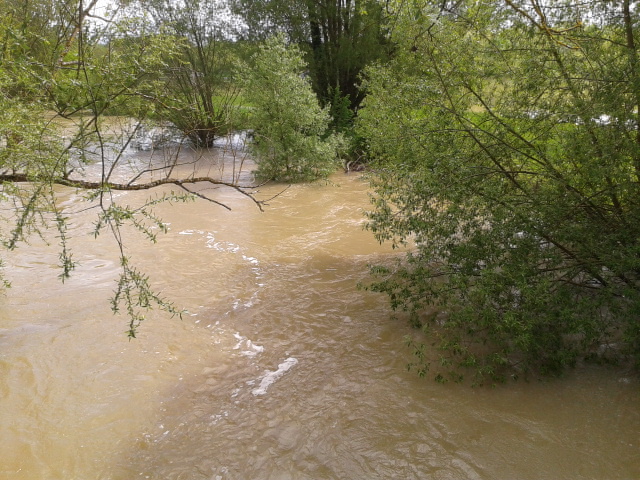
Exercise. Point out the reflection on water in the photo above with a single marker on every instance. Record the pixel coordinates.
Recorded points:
(281, 369)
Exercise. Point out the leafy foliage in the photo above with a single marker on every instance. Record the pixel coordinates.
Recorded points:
(203, 96)
(507, 155)
(134, 291)
(291, 140)
(339, 38)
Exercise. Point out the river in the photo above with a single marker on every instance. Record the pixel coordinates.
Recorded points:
(280, 369)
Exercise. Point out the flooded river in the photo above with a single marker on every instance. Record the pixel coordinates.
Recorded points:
(280, 369)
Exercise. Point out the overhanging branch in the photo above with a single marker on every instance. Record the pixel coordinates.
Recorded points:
(89, 185)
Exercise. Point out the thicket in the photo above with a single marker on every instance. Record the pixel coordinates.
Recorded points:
(507, 153)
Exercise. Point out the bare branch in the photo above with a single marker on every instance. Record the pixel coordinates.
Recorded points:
(88, 185)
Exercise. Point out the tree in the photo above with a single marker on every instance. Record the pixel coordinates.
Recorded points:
(291, 141)
(506, 139)
(339, 37)
(204, 95)
(80, 81)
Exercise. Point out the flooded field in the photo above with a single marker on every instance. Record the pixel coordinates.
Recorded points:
(280, 369)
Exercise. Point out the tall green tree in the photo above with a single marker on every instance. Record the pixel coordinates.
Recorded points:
(291, 138)
(507, 146)
(203, 93)
(340, 37)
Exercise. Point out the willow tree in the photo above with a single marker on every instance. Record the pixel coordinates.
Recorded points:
(204, 96)
(291, 140)
(507, 144)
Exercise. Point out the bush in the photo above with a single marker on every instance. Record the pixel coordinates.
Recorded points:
(525, 225)
(291, 139)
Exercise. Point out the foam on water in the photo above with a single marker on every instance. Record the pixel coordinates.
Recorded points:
(231, 248)
(251, 349)
(269, 378)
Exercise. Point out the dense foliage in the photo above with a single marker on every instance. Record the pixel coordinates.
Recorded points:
(339, 38)
(507, 148)
(291, 138)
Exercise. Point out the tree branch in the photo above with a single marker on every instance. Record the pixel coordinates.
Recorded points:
(88, 185)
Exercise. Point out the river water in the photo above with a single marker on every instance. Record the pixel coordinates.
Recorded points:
(281, 369)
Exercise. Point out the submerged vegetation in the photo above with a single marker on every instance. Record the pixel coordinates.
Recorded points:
(502, 141)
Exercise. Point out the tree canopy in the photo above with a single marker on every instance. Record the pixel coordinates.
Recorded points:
(204, 104)
(340, 38)
(291, 138)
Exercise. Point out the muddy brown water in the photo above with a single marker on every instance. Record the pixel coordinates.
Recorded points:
(281, 369)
